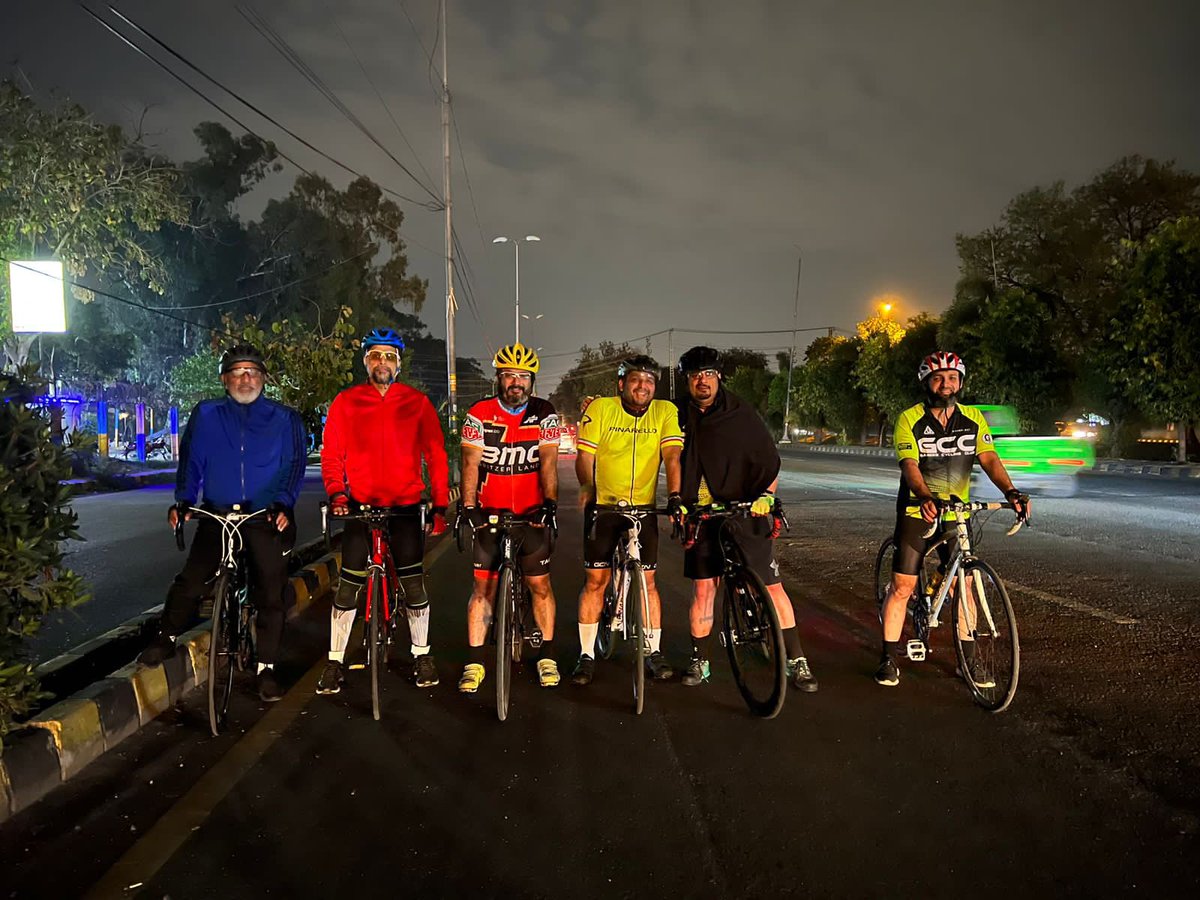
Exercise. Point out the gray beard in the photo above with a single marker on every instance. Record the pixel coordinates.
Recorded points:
(245, 401)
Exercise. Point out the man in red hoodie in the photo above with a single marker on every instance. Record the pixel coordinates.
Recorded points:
(376, 436)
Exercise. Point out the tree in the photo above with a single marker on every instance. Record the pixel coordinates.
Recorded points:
(37, 521)
(886, 369)
(194, 379)
(81, 192)
(595, 375)
(1157, 327)
(827, 394)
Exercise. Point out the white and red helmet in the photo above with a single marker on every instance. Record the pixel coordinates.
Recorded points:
(940, 361)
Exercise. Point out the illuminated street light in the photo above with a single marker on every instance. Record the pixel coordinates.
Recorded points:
(517, 256)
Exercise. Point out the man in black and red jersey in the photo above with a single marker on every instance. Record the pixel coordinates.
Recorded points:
(376, 436)
(510, 463)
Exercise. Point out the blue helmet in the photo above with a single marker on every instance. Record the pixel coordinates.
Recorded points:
(383, 337)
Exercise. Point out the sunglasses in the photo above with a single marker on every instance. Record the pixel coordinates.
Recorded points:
(703, 373)
(255, 374)
(383, 356)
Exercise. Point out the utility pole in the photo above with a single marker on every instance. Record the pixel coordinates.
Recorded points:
(787, 398)
(671, 359)
(451, 304)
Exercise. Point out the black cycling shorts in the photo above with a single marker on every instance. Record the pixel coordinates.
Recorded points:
(533, 550)
(704, 558)
(911, 547)
(406, 541)
(610, 529)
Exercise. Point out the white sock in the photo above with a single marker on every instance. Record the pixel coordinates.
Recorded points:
(654, 635)
(262, 667)
(587, 639)
(420, 651)
(418, 629)
(340, 623)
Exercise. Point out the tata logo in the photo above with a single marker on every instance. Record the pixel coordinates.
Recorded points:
(510, 455)
(471, 433)
(951, 445)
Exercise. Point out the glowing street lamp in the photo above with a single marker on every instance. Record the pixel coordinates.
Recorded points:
(517, 252)
(38, 297)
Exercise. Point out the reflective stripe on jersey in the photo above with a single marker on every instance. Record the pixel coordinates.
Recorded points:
(945, 455)
(627, 448)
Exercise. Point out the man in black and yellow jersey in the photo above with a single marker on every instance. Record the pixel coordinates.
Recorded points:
(937, 442)
(622, 442)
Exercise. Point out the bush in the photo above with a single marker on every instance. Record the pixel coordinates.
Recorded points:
(35, 521)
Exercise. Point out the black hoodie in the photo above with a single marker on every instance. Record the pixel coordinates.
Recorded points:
(730, 446)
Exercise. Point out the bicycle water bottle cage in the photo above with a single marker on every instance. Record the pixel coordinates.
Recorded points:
(916, 651)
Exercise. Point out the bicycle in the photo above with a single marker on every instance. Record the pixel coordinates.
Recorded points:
(232, 636)
(383, 588)
(513, 624)
(750, 629)
(627, 590)
(996, 660)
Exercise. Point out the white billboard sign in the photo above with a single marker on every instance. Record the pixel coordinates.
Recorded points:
(38, 301)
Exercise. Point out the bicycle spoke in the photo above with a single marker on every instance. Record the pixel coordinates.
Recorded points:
(989, 656)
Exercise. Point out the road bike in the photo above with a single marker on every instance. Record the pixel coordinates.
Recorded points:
(950, 570)
(513, 625)
(750, 629)
(232, 635)
(384, 594)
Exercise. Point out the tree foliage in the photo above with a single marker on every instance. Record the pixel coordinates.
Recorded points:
(595, 375)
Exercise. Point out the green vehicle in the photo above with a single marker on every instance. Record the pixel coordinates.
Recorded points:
(1038, 464)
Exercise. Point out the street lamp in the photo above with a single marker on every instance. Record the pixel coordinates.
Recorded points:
(517, 256)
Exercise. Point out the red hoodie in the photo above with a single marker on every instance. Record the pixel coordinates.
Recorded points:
(374, 444)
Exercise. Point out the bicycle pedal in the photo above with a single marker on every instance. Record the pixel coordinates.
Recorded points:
(916, 651)
(721, 635)
(535, 638)
(356, 665)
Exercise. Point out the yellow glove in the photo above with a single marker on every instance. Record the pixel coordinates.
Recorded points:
(763, 505)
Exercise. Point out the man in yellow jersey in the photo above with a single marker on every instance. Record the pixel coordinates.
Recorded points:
(622, 441)
(937, 442)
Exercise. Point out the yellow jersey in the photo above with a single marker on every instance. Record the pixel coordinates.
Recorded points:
(627, 449)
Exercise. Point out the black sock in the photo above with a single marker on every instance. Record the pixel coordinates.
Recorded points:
(891, 650)
(791, 642)
(547, 650)
(478, 654)
(702, 646)
(968, 650)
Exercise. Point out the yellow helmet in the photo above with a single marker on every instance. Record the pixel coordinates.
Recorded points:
(518, 357)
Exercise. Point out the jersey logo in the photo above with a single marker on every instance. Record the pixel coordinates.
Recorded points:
(905, 446)
(471, 433)
(511, 455)
(951, 445)
(585, 421)
(987, 438)
(928, 430)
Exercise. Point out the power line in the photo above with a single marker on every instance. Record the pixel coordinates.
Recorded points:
(428, 54)
(462, 155)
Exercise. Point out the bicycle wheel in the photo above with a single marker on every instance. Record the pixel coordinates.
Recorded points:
(607, 638)
(635, 606)
(754, 642)
(883, 573)
(377, 641)
(247, 642)
(221, 650)
(990, 620)
(505, 627)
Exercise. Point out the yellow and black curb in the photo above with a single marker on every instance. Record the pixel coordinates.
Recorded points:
(61, 741)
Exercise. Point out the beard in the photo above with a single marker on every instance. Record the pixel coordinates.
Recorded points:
(382, 375)
(514, 395)
(246, 396)
(939, 401)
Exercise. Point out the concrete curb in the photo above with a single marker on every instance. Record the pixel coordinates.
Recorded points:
(61, 741)
(123, 482)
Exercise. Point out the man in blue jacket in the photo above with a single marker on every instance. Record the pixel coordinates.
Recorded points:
(241, 449)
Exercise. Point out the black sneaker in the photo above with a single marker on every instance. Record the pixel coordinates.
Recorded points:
(161, 648)
(331, 678)
(980, 676)
(268, 687)
(658, 668)
(697, 672)
(800, 675)
(425, 671)
(888, 674)
(584, 670)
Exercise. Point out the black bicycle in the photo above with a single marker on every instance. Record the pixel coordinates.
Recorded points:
(750, 629)
(231, 644)
(513, 624)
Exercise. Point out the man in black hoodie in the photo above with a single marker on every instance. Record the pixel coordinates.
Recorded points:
(729, 456)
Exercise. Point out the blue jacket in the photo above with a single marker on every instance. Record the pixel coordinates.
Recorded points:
(248, 453)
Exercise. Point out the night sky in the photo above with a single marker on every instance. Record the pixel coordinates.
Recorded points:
(671, 156)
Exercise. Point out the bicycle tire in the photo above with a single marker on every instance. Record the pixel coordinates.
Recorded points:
(378, 636)
(883, 572)
(999, 654)
(754, 643)
(221, 660)
(606, 638)
(637, 604)
(247, 643)
(504, 627)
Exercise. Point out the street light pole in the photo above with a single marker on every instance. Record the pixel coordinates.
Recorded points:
(517, 267)
(787, 397)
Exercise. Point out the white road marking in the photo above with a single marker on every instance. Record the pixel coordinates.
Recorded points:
(1073, 604)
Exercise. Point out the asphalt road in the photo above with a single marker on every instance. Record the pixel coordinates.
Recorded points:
(853, 791)
(128, 559)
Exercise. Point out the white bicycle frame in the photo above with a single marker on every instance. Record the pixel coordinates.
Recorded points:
(630, 549)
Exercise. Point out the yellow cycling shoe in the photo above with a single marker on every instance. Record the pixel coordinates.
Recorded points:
(472, 678)
(548, 676)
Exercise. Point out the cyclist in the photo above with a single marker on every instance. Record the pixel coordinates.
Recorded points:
(622, 442)
(510, 463)
(248, 450)
(730, 456)
(376, 436)
(937, 442)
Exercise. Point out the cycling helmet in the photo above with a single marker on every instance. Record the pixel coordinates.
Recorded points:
(517, 357)
(940, 361)
(699, 358)
(641, 363)
(383, 337)
(242, 353)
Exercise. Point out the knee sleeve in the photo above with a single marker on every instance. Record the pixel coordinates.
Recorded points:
(414, 591)
(350, 586)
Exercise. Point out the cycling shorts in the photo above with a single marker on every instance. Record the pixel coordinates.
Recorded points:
(911, 547)
(704, 558)
(406, 540)
(533, 550)
(599, 545)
